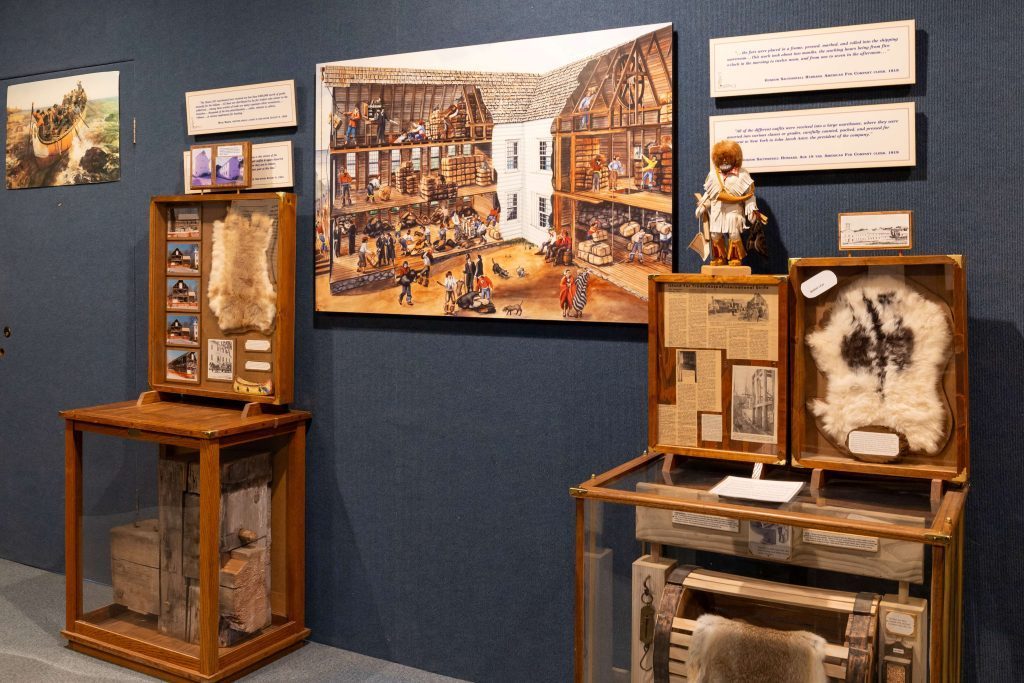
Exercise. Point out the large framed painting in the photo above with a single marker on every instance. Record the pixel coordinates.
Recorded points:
(526, 179)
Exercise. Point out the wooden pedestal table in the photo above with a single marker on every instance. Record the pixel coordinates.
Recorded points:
(207, 436)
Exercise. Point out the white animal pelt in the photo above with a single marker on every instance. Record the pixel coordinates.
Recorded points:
(241, 294)
(727, 651)
(883, 348)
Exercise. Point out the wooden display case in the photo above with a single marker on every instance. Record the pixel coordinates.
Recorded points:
(255, 376)
(940, 282)
(203, 440)
(728, 336)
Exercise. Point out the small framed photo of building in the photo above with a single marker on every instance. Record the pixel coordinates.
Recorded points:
(183, 223)
(220, 360)
(182, 365)
(754, 392)
(182, 294)
(182, 330)
(202, 168)
(876, 230)
(183, 258)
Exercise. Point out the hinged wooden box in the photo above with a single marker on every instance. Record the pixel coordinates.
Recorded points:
(717, 366)
(222, 291)
(880, 366)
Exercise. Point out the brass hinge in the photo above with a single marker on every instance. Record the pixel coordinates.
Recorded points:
(577, 491)
(938, 538)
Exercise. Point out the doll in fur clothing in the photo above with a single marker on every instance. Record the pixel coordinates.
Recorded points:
(240, 292)
(727, 651)
(883, 348)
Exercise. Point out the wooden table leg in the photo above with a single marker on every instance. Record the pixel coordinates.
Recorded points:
(937, 608)
(72, 524)
(209, 555)
(295, 542)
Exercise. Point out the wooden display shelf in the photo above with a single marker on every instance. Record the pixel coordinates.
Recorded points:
(130, 639)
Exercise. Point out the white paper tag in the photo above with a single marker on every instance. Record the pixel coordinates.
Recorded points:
(758, 489)
(819, 284)
(257, 365)
(257, 345)
(874, 443)
(711, 427)
(900, 623)
(705, 521)
(834, 539)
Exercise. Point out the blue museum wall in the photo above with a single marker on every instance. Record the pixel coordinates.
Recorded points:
(439, 525)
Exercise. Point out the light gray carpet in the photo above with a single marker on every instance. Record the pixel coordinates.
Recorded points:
(32, 650)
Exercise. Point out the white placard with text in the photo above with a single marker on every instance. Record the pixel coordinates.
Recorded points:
(865, 55)
(241, 107)
(868, 136)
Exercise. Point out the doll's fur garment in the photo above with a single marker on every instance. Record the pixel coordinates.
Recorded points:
(240, 292)
(727, 651)
(883, 349)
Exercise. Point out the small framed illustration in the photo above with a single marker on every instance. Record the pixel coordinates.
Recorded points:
(183, 223)
(182, 294)
(182, 330)
(220, 360)
(183, 258)
(182, 365)
(220, 167)
(876, 230)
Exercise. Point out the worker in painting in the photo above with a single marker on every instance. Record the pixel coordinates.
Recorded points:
(565, 292)
(345, 181)
(381, 119)
(615, 169)
(405, 277)
(353, 124)
(650, 163)
(479, 270)
(584, 106)
(450, 284)
(469, 271)
(596, 164)
(484, 286)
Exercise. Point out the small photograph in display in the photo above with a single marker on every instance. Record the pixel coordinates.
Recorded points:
(183, 223)
(183, 295)
(182, 365)
(754, 389)
(202, 166)
(230, 166)
(183, 330)
(183, 258)
(220, 359)
(752, 309)
(687, 370)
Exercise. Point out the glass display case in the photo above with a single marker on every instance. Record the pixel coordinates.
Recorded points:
(866, 570)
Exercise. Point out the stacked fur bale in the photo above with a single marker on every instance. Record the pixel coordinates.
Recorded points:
(460, 170)
(408, 179)
(598, 253)
(483, 170)
(432, 189)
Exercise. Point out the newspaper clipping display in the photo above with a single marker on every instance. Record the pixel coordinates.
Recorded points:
(711, 326)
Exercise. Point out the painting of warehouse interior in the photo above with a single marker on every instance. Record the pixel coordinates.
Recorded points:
(535, 184)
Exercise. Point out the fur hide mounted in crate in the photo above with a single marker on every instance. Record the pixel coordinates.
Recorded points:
(883, 348)
(726, 651)
(242, 296)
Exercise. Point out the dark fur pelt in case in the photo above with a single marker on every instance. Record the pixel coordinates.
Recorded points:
(727, 651)
(883, 348)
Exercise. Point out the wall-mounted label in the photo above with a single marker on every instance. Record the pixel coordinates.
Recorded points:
(770, 541)
(272, 166)
(865, 55)
(241, 107)
(705, 521)
(257, 365)
(837, 540)
(259, 345)
(900, 623)
(883, 444)
(864, 136)
(818, 284)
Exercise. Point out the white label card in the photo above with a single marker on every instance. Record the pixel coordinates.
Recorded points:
(260, 345)
(242, 107)
(900, 623)
(257, 365)
(862, 136)
(818, 284)
(838, 540)
(705, 521)
(874, 443)
(758, 489)
(865, 55)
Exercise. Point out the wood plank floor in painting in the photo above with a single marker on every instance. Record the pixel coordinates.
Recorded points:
(398, 200)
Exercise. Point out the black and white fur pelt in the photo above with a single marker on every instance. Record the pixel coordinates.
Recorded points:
(883, 348)
(579, 297)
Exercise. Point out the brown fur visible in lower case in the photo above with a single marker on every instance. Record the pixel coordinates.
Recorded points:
(727, 651)
(240, 292)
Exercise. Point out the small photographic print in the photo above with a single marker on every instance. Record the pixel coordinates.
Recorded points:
(183, 330)
(220, 359)
(183, 223)
(687, 369)
(182, 365)
(202, 166)
(752, 309)
(754, 389)
(230, 166)
(183, 295)
(770, 541)
(183, 258)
